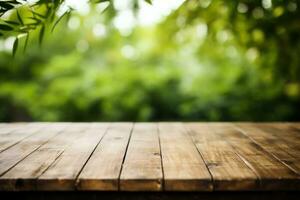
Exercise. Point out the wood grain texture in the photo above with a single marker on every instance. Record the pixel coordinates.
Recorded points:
(22, 176)
(142, 169)
(14, 134)
(10, 127)
(183, 167)
(102, 170)
(63, 173)
(281, 149)
(18, 152)
(273, 173)
(283, 130)
(149, 156)
(53, 147)
(228, 170)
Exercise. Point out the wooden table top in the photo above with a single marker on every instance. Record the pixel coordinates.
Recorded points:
(149, 156)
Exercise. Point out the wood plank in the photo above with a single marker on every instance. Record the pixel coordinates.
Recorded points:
(183, 167)
(274, 144)
(228, 170)
(63, 173)
(150, 156)
(286, 133)
(78, 126)
(289, 138)
(102, 170)
(273, 174)
(142, 169)
(23, 176)
(295, 125)
(10, 127)
(15, 154)
(17, 179)
(3, 124)
(290, 125)
(14, 134)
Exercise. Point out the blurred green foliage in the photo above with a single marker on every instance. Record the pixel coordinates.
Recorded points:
(208, 60)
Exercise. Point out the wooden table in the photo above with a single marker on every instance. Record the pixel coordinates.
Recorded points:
(190, 157)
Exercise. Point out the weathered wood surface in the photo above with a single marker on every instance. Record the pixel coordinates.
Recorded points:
(229, 171)
(149, 156)
(184, 168)
(103, 169)
(142, 165)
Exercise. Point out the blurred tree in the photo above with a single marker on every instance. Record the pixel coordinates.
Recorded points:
(207, 60)
(20, 17)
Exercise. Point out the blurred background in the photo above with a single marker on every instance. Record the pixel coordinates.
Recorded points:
(128, 60)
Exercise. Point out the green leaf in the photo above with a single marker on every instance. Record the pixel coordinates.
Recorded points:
(32, 24)
(26, 42)
(15, 46)
(27, 28)
(149, 1)
(4, 27)
(58, 20)
(38, 14)
(41, 36)
(107, 6)
(20, 18)
(11, 22)
(35, 19)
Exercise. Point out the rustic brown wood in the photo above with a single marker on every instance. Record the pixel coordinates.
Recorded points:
(102, 171)
(142, 169)
(288, 137)
(16, 153)
(287, 134)
(229, 172)
(14, 134)
(22, 176)
(184, 169)
(273, 173)
(274, 144)
(149, 156)
(63, 173)
(284, 130)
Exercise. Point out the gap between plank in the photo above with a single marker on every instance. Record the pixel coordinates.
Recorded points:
(242, 158)
(49, 166)
(161, 159)
(123, 160)
(186, 131)
(76, 178)
(32, 152)
(11, 132)
(248, 165)
(254, 141)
